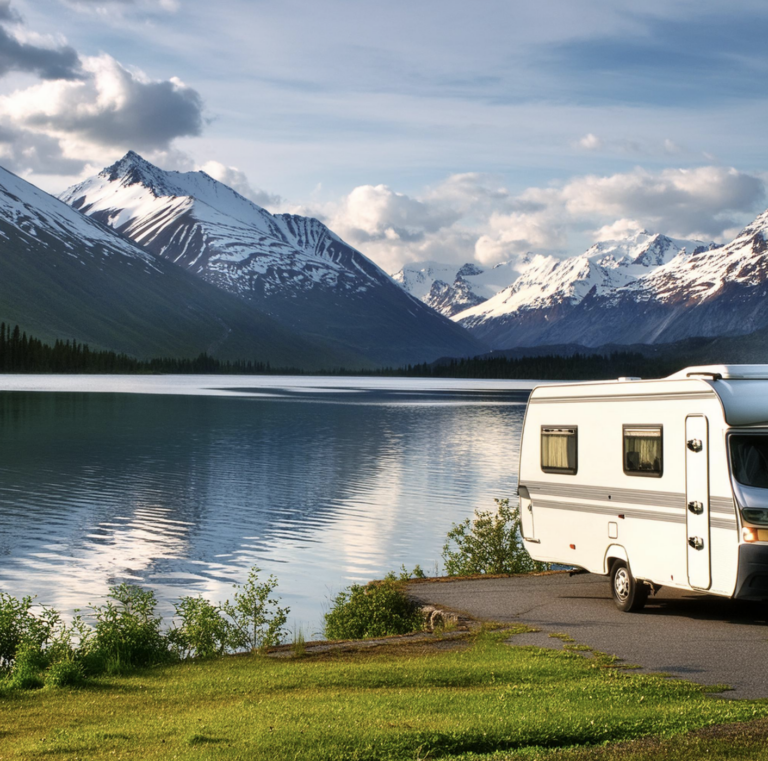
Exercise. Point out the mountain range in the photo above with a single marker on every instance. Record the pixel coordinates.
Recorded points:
(63, 275)
(291, 268)
(644, 289)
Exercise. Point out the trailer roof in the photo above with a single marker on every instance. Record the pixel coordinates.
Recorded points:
(741, 389)
(727, 372)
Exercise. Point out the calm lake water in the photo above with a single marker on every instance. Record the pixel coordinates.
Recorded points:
(181, 484)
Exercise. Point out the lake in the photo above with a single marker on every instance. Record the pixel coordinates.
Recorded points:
(182, 483)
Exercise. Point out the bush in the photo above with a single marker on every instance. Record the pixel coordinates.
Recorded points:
(202, 630)
(36, 648)
(377, 609)
(28, 666)
(489, 543)
(256, 619)
(65, 674)
(127, 632)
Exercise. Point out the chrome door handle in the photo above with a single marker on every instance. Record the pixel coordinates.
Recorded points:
(696, 542)
(696, 507)
(694, 445)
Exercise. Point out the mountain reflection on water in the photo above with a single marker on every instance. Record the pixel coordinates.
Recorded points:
(323, 483)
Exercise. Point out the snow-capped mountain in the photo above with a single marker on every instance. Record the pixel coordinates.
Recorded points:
(450, 289)
(292, 267)
(63, 275)
(547, 297)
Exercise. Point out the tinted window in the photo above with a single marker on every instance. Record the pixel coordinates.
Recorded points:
(558, 449)
(643, 455)
(749, 459)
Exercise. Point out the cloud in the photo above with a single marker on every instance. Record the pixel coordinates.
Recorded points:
(60, 62)
(621, 228)
(237, 180)
(7, 13)
(590, 142)
(375, 212)
(471, 216)
(688, 203)
(102, 6)
(22, 152)
(110, 106)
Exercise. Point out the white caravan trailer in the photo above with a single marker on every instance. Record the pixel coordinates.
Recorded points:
(652, 482)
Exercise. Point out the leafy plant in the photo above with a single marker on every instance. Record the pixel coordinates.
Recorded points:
(405, 574)
(256, 619)
(377, 609)
(488, 543)
(202, 630)
(64, 674)
(28, 666)
(127, 632)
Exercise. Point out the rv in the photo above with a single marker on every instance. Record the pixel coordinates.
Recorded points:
(652, 482)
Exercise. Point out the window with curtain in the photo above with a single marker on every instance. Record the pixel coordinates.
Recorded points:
(558, 449)
(643, 455)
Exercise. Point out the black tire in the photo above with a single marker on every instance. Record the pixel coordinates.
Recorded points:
(628, 593)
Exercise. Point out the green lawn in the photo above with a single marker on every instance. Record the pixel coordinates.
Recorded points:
(397, 702)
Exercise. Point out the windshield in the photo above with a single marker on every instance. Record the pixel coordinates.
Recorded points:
(749, 459)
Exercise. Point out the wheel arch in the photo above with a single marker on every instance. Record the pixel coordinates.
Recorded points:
(612, 554)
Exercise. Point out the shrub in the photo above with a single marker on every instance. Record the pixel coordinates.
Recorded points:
(19, 626)
(127, 632)
(489, 543)
(202, 630)
(28, 666)
(256, 619)
(64, 674)
(377, 609)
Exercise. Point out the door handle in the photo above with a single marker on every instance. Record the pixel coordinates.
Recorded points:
(694, 445)
(696, 542)
(696, 507)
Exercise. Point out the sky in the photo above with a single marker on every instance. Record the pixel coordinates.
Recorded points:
(418, 130)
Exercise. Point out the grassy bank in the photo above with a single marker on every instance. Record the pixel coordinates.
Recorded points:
(458, 698)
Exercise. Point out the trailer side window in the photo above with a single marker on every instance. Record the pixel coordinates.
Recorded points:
(643, 452)
(558, 449)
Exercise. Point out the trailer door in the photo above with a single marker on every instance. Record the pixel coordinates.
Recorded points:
(697, 500)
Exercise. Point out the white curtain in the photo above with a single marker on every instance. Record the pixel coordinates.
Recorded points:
(558, 451)
(642, 450)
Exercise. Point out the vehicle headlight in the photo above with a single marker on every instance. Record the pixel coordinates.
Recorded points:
(755, 515)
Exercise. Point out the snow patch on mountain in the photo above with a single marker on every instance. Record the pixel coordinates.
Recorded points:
(450, 289)
(546, 281)
(38, 216)
(206, 226)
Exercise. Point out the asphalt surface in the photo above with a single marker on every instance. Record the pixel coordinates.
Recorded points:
(702, 638)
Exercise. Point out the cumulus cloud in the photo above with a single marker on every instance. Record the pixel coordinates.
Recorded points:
(237, 180)
(472, 217)
(621, 228)
(111, 106)
(688, 203)
(22, 152)
(47, 61)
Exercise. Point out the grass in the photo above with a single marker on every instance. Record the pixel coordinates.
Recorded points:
(474, 698)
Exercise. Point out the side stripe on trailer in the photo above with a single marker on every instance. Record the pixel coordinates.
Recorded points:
(660, 397)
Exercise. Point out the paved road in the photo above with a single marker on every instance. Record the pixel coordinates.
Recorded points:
(704, 639)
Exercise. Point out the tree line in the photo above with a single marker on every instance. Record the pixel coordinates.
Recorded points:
(21, 353)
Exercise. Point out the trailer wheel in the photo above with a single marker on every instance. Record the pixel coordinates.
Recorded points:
(628, 594)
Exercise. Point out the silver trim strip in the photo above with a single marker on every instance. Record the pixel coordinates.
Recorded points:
(660, 397)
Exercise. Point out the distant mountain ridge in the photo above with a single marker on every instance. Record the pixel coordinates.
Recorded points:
(551, 295)
(449, 289)
(293, 268)
(63, 275)
(705, 291)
